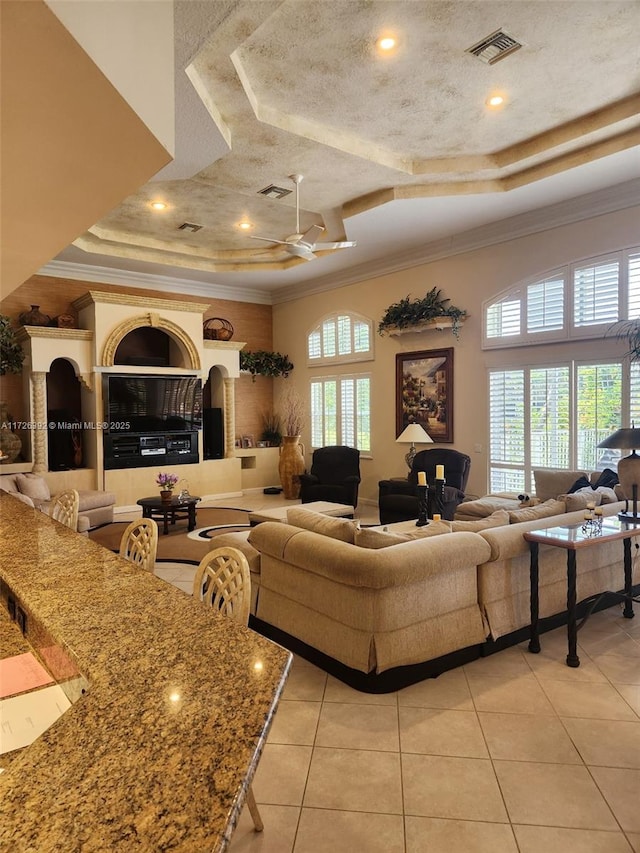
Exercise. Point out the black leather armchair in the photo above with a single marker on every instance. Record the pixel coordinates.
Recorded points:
(398, 499)
(334, 476)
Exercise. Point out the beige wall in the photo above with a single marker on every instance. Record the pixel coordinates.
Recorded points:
(467, 280)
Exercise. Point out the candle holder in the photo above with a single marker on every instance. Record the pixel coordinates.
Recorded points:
(438, 497)
(423, 501)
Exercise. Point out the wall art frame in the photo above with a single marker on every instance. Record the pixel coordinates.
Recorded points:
(424, 392)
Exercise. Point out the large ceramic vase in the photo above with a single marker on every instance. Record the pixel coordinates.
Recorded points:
(10, 442)
(291, 465)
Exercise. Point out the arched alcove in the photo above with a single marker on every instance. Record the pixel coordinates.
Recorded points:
(182, 350)
(213, 419)
(144, 345)
(65, 434)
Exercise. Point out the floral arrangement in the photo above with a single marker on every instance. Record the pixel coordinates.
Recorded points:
(167, 481)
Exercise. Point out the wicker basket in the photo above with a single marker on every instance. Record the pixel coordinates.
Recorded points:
(217, 329)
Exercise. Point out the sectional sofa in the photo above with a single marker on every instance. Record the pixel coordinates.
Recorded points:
(385, 608)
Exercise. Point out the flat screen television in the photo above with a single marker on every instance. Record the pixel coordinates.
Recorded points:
(142, 404)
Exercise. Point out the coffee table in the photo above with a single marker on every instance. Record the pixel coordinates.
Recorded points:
(280, 513)
(573, 539)
(176, 508)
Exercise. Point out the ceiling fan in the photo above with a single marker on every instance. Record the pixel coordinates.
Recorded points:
(304, 245)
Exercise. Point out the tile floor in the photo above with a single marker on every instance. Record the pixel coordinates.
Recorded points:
(515, 752)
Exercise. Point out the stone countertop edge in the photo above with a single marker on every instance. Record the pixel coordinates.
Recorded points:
(160, 751)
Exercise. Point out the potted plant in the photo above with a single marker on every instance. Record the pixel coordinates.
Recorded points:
(271, 429)
(167, 483)
(629, 331)
(11, 354)
(265, 363)
(409, 313)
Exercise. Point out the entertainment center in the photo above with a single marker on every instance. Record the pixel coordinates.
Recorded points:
(150, 420)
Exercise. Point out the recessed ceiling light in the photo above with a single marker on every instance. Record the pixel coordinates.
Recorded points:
(386, 43)
(158, 205)
(244, 225)
(495, 101)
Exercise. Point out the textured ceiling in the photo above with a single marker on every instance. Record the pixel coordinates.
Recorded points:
(266, 89)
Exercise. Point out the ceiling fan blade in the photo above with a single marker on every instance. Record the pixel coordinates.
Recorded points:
(270, 240)
(300, 251)
(345, 244)
(310, 236)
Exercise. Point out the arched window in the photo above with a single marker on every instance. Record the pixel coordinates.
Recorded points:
(339, 338)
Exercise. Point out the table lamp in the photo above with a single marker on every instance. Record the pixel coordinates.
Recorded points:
(415, 433)
(628, 468)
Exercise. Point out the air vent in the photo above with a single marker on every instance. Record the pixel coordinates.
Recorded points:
(189, 226)
(494, 47)
(272, 191)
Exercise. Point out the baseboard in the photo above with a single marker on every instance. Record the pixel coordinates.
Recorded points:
(384, 682)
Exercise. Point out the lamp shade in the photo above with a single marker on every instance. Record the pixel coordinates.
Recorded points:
(622, 438)
(414, 434)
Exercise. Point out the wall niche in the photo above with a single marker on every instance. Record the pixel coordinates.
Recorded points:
(144, 347)
(65, 439)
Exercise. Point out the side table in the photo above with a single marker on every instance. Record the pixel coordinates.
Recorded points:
(573, 539)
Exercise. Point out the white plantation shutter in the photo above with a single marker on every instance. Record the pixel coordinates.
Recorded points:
(549, 417)
(598, 409)
(595, 293)
(633, 270)
(506, 430)
(340, 337)
(503, 319)
(545, 305)
(341, 411)
(634, 394)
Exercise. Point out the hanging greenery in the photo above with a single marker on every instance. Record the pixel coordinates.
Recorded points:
(415, 312)
(262, 363)
(11, 354)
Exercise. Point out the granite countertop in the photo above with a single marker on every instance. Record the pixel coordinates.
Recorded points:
(158, 753)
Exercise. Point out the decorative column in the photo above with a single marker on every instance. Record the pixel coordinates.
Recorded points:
(229, 417)
(39, 416)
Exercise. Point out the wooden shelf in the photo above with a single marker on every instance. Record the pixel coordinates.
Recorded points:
(438, 324)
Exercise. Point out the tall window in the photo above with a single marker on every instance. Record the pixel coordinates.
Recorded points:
(341, 411)
(553, 417)
(341, 403)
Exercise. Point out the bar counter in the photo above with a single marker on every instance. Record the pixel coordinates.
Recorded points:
(158, 753)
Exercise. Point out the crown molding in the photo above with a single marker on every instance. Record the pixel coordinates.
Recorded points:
(150, 281)
(598, 203)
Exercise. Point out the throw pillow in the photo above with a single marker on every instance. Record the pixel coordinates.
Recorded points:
(580, 499)
(496, 519)
(368, 537)
(607, 495)
(550, 482)
(607, 479)
(580, 483)
(532, 513)
(33, 486)
(336, 528)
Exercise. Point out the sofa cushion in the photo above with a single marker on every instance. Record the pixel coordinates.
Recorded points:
(34, 486)
(581, 483)
(496, 519)
(484, 507)
(607, 495)
(368, 537)
(8, 483)
(91, 499)
(550, 482)
(531, 513)
(580, 499)
(336, 528)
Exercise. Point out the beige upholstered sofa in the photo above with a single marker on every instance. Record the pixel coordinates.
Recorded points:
(96, 507)
(415, 602)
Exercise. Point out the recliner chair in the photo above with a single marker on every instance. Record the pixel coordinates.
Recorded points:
(334, 476)
(398, 499)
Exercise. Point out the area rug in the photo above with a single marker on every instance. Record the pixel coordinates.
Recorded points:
(178, 545)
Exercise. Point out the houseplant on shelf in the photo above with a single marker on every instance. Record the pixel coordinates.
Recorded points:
(167, 483)
(271, 429)
(263, 363)
(291, 463)
(419, 314)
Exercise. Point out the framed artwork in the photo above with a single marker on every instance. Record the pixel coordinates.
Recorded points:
(424, 392)
(247, 441)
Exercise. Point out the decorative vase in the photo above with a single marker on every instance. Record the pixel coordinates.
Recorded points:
(166, 495)
(291, 465)
(34, 317)
(10, 442)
